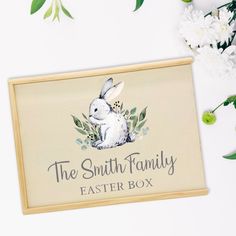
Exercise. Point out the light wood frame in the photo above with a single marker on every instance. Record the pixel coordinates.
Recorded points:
(75, 75)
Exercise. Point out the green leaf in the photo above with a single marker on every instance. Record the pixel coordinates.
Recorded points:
(139, 3)
(133, 117)
(85, 117)
(139, 127)
(135, 121)
(86, 127)
(77, 121)
(226, 103)
(142, 114)
(229, 100)
(121, 107)
(36, 5)
(48, 12)
(132, 112)
(66, 12)
(231, 156)
(126, 113)
(232, 98)
(235, 104)
(81, 131)
(187, 1)
(56, 14)
(129, 125)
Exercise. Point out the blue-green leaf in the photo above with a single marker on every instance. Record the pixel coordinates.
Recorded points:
(139, 3)
(36, 5)
(84, 147)
(79, 141)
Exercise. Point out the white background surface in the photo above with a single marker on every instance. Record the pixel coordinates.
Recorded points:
(106, 33)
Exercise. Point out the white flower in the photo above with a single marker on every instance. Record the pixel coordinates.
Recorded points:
(218, 62)
(197, 29)
(223, 29)
(204, 34)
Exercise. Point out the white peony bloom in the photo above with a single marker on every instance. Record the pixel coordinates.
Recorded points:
(221, 25)
(197, 29)
(218, 62)
(204, 34)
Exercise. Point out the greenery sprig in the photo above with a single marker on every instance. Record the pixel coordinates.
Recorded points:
(54, 9)
(57, 6)
(135, 120)
(90, 133)
(209, 118)
(87, 130)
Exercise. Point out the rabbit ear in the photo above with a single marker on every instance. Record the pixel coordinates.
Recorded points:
(107, 85)
(114, 91)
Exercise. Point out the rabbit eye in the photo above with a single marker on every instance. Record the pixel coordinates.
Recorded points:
(95, 110)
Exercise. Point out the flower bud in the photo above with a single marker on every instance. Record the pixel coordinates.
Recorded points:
(209, 118)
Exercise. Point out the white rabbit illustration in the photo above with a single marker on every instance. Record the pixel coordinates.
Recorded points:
(113, 126)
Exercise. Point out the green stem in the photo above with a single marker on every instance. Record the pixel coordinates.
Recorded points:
(218, 107)
(226, 4)
(231, 21)
(219, 8)
(60, 2)
(232, 39)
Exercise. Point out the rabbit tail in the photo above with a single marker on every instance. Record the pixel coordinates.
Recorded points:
(130, 138)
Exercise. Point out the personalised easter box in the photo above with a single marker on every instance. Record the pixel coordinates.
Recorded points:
(107, 136)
